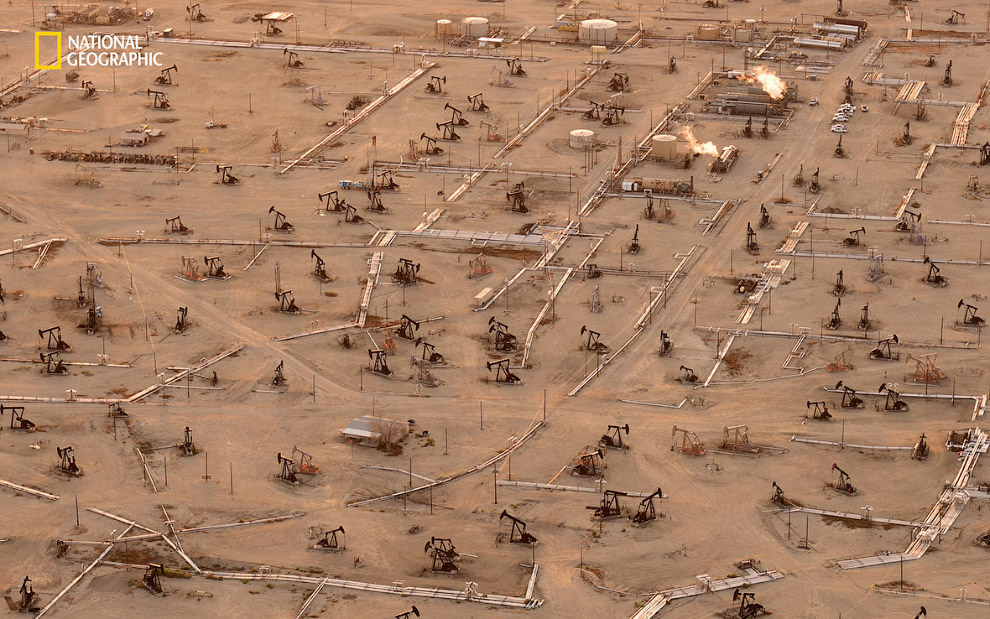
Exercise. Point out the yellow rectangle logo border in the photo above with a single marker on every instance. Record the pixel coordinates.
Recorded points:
(37, 50)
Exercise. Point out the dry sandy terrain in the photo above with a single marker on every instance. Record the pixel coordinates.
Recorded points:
(717, 511)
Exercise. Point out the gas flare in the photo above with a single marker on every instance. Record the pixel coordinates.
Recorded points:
(768, 80)
(708, 148)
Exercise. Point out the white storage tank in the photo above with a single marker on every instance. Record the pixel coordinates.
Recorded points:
(445, 28)
(598, 31)
(664, 147)
(475, 27)
(582, 138)
(709, 32)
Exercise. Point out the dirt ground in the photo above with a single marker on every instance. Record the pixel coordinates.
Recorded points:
(716, 509)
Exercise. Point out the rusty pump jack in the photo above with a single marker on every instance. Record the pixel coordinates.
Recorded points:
(589, 464)
(821, 411)
(892, 403)
(843, 484)
(690, 443)
(518, 535)
(647, 511)
(849, 399)
(613, 437)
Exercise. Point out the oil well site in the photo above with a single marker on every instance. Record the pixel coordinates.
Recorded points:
(480, 308)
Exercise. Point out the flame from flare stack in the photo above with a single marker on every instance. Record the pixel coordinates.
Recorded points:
(768, 80)
(708, 148)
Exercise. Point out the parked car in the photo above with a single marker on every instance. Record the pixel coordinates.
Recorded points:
(839, 129)
(813, 101)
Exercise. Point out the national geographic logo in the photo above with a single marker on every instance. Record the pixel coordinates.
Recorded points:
(93, 50)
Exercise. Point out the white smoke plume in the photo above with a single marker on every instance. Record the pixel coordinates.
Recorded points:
(767, 79)
(708, 148)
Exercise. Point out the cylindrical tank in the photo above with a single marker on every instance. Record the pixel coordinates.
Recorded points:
(475, 27)
(445, 28)
(582, 138)
(664, 147)
(743, 35)
(597, 31)
(709, 32)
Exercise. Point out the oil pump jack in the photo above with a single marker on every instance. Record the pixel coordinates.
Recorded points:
(226, 178)
(955, 17)
(920, 451)
(592, 343)
(160, 102)
(448, 133)
(195, 14)
(429, 351)
(748, 607)
(287, 472)
(892, 403)
(610, 507)
(320, 269)
(332, 203)
(379, 362)
(882, 351)
(751, 245)
(594, 113)
(28, 602)
(17, 420)
(515, 67)
(330, 542)
(375, 201)
(165, 78)
(408, 614)
(834, 322)
(907, 221)
(690, 443)
(518, 535)
(853, 239)
(840, 287)
(502, 372)
(281, 225)
(457, 117)
(54, 337)
(970, 318)
(431, 145)
(152, 578)
(843, 484)
(294, 62)
(665, 344)
(613, 437)
(504, 341)
(180, 321)
(517, 196)
(435, 86)
(174, 225)
(279, 378)
(589, 464)
(821, 411)
(613, 114)
(619, 82)
(849, 399)
(864, 318)
(840, 152)
(947, 78)
(67, 461)
(687, 375)
(478, 104)
(407, 328)
(778, 496)
(52, 362)
(405, 272)
(815, 185)
(214, 267)
(634, 244)
(647, 512)
(671, 65)
(443, 553)
(764, 217)
(933, 276)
